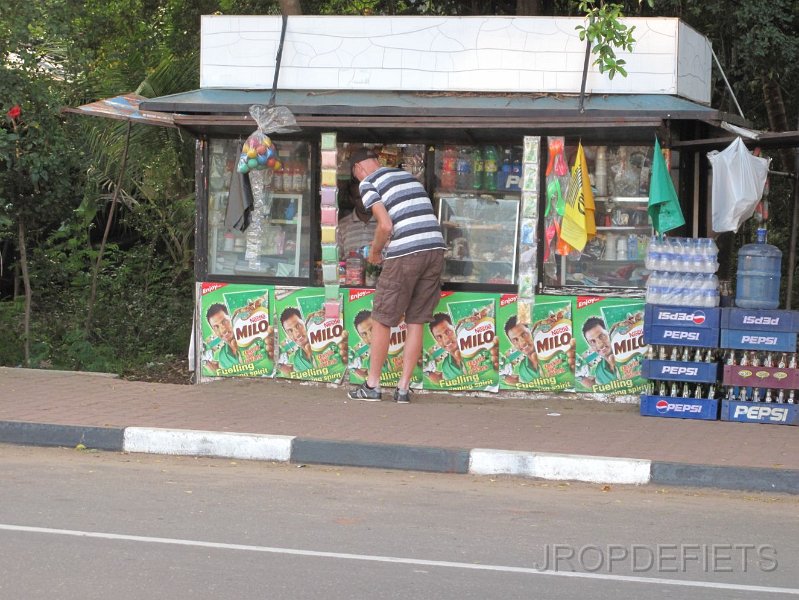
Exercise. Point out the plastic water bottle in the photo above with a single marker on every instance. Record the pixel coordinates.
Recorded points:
(464, 169)
(490, 168)
(758, 284)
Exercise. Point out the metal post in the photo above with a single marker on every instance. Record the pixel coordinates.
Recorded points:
(794, 227)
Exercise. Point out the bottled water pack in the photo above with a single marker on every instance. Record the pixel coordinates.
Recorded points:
(682, 272)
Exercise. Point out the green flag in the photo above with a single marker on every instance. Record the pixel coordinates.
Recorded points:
(664, 208)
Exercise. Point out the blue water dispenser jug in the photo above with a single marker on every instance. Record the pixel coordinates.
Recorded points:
(758, 283)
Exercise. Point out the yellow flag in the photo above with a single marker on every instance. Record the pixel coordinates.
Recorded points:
(578, 224)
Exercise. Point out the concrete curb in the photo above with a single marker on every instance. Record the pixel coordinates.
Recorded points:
(477, 461)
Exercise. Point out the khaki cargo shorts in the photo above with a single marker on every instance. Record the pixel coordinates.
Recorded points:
(409, 285)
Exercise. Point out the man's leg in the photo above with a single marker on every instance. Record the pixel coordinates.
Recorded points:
(378, 350)
(411, 353)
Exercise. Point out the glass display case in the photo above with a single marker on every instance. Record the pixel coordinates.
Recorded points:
(619, 178)
(480, 233)
(270, 238)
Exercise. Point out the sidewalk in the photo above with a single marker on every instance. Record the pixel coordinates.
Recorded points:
(560, 436)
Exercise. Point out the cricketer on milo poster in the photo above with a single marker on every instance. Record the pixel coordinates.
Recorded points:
(610, 345)
(358, 319)
(237, 336)
(460, 344)
(538, 355)
(311, 346)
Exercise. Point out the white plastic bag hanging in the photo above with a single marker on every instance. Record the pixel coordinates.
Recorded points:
(738, 182)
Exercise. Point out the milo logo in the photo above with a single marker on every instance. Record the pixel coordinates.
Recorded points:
(625, 326)
(250, 326)
(552, 336)
(249, 316)
(396, 340)
(474, 326)
(323, 332)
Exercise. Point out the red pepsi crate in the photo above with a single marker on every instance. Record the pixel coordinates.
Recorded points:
(658, 315)
(760, 412)
(775, 341)
(760, 319)
(679, 408)
(675, 370)
(761, 377)
(695, 337)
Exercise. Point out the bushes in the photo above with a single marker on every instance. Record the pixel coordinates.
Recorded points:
(143, 311)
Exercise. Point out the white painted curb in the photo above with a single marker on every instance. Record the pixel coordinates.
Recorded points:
(574, 467)
(187, 442)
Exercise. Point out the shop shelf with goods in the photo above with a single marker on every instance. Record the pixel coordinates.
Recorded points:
(613, 260)
(477, 192)
(480, 233)
(682, 362)
(273, 240)
(760, 377)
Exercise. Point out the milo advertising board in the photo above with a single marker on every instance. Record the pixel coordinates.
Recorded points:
(538, 355)
(358, 319)
(311, 347)
(237, 334)
(460, 345)
(610, 345)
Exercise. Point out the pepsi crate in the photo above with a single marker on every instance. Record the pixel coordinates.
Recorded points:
(777, 341)
(679, 408)
(760, 319)
(760, 412)
(695, 337)
(658, 315)
(761, 377)
(675, 370)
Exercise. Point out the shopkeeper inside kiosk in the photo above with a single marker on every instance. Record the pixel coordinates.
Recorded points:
(356, 225)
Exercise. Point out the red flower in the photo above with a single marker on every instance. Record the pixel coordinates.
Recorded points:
(15, 112)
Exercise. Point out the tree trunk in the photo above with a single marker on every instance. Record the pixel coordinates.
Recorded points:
(777, 118)
(529, 8)
(96, 270)
(23, 261)
(290, 7)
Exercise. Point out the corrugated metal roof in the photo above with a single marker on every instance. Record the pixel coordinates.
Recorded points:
(370, 103)
(124, 108)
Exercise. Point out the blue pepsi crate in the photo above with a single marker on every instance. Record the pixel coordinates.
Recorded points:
(657, 315)
(760, 319)
(777, 341)
(694, 337)
(679, 408)
(675, 370)
(760, 412)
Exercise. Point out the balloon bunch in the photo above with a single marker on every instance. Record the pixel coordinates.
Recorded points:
(258, 153)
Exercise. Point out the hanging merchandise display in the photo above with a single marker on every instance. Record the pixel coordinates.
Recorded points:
(358, 318)
(537, 355)
(663, 208)
(312, 346)
(528, 242)
(237, 333)
(609, 336)
(460, 347)
(739, 179)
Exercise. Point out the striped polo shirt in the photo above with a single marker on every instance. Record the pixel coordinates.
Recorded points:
(416, 228)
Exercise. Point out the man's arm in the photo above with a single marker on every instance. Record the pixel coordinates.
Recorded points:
(382, 233)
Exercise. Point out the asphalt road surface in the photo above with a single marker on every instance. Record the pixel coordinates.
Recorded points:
(86, 525)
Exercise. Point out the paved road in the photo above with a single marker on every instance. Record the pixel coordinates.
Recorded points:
(87, 525)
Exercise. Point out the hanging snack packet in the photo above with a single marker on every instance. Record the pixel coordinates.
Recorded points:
(259, 152)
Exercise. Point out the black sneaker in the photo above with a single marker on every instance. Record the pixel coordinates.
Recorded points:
(364, 392)
(402, 397)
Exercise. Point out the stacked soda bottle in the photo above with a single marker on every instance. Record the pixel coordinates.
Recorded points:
(683, 272)
(744, 358)
(682, 389)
